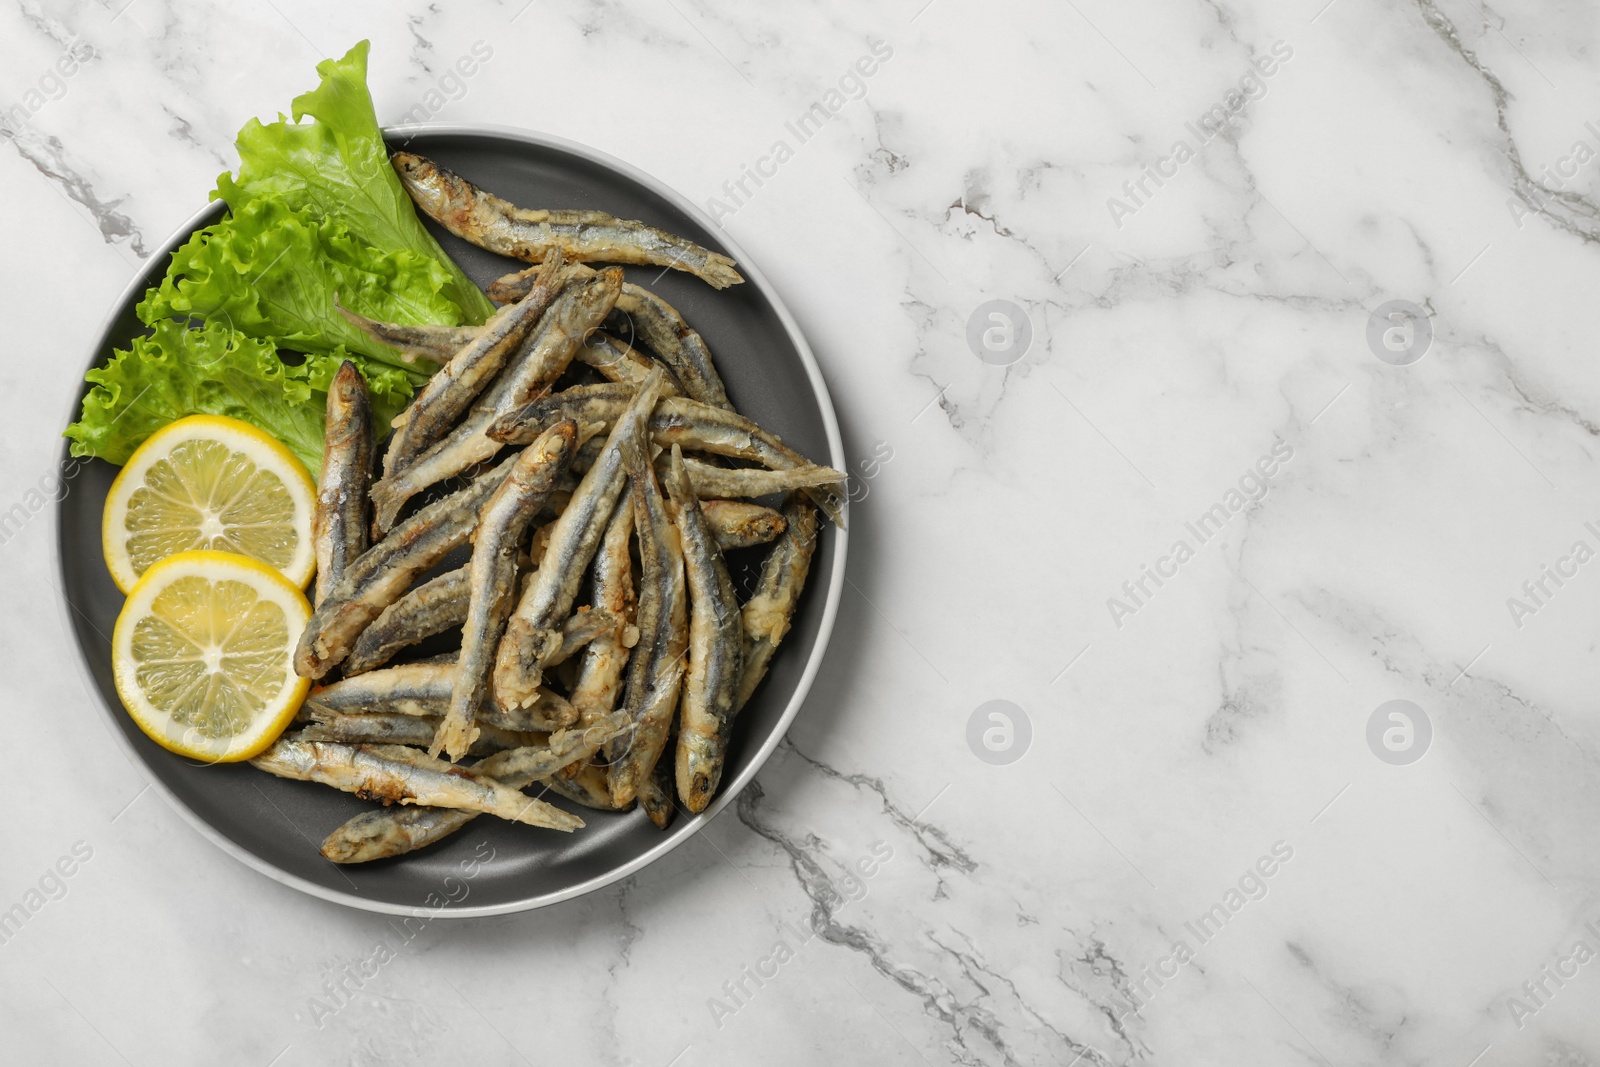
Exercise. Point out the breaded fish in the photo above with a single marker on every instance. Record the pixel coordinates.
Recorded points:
(656, 796)
(397, 728)
(660, 326)
(339, 523)
(436, 344)
(656, 668)
(716, 647)
(598, 402)
(770, 609)
(395, 774)
(618, 361)
(600, 675)
(410, 689)
(736, 523)
(584, 236)
(430, 608)
(424, 689)
(713, 482)
(583, 783)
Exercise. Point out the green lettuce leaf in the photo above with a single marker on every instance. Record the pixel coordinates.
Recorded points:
(214, 370)
(339, 166)
(273, 272)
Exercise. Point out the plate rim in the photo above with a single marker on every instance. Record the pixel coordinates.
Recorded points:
(753, 276)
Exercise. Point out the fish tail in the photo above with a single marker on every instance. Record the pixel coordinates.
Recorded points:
(718, 272)
(388, 497)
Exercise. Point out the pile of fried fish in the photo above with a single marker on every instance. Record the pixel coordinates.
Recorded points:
(578, 467)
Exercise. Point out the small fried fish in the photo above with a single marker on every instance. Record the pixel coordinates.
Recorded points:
(585, 236)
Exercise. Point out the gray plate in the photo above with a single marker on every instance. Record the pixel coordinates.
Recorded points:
(275, 825)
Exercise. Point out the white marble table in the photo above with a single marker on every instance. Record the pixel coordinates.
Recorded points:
(1199, 859)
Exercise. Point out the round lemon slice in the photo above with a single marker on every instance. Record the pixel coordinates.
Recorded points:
(209, 482)
(203, 654)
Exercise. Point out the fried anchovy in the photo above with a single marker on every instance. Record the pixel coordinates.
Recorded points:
(584, 784)
(687, 423)
(618, 361)
(738, 523)
(424, 689)
(431, 608)
(493, 577)
(388, 832)
(532, 636)
(655, 671)
(724, 482)
(600, 402)
(655, 795)
(339, 523)
(510, 287)
(679, 347)
(769, 611)
(433, 343)
(397, 728)
(435, 409)
(716, 647)
(600, 674)
(384, 572)
(544, 356)
(396, 774)
(410, 689)
(587, 236)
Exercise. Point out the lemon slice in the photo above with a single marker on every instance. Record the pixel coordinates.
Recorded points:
(209, 482)
(203, 654)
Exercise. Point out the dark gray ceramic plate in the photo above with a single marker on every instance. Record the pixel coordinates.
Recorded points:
(275, 825)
